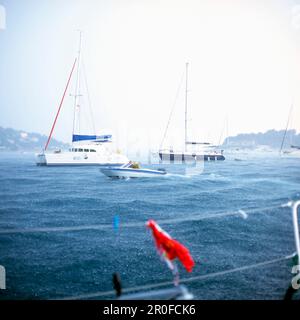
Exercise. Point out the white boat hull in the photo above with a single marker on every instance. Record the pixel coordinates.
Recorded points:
(178, 157)
(80, 159)
(291, 154)
(132, 173)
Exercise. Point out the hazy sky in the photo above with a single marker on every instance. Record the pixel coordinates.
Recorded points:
(244, 65)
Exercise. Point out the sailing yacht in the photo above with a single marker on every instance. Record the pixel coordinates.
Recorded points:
(294, 150)
(86, 149)
(193, 151)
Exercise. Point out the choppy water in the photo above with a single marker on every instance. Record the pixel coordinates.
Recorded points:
(61, 263)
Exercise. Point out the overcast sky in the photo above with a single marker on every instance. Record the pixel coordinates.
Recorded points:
(244, 66)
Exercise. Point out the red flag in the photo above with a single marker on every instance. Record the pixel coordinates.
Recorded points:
(172, 248)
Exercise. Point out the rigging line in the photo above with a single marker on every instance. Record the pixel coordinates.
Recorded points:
(172, 110)
(77, 90)
(88, 94)
(60, 105)
(286, 129)
(223, 131)
(195, 217)
(221, 135)
(184, 280)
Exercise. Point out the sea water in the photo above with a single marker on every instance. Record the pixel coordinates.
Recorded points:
(73, 244)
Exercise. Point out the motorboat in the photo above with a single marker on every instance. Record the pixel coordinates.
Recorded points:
(132, 170)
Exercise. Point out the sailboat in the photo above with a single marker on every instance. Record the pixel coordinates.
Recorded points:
(86, 149)
(203, 151)
(294, 150)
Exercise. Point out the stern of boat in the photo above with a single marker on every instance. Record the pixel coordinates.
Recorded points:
(40, 159)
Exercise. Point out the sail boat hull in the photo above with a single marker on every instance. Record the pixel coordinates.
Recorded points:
(290, 154)
(97, 155)
(190, 157)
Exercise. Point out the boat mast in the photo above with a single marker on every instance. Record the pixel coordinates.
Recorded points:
(186, 105)
(77, 88)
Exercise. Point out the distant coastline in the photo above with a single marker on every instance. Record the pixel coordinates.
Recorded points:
(271, 139)
(20, 140)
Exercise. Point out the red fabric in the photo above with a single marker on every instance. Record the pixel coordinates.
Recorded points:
(171, 247)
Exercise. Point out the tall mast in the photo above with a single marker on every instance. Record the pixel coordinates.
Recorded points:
(77, 88)
(186, 105)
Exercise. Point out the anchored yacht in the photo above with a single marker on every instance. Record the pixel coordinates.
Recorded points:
(93, 152)
(292, 151)
(86, 149)
(193, 151)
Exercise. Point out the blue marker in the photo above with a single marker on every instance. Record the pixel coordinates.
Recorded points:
(116, 223)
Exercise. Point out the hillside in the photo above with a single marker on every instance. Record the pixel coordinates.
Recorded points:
(16, 140)
(271, 139)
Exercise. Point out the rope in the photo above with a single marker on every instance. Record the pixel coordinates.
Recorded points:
(172, 111)
(88, 95)
(286, 129)
(241, 213)
(60, 105)
(194, 217)
(191, 279)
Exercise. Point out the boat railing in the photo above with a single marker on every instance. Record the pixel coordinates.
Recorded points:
(295, 207)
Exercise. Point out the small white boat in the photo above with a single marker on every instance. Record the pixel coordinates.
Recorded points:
(132, 170)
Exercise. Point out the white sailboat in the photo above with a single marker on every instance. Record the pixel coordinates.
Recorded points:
(193, 151)
(293, 151)
(86, 149)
